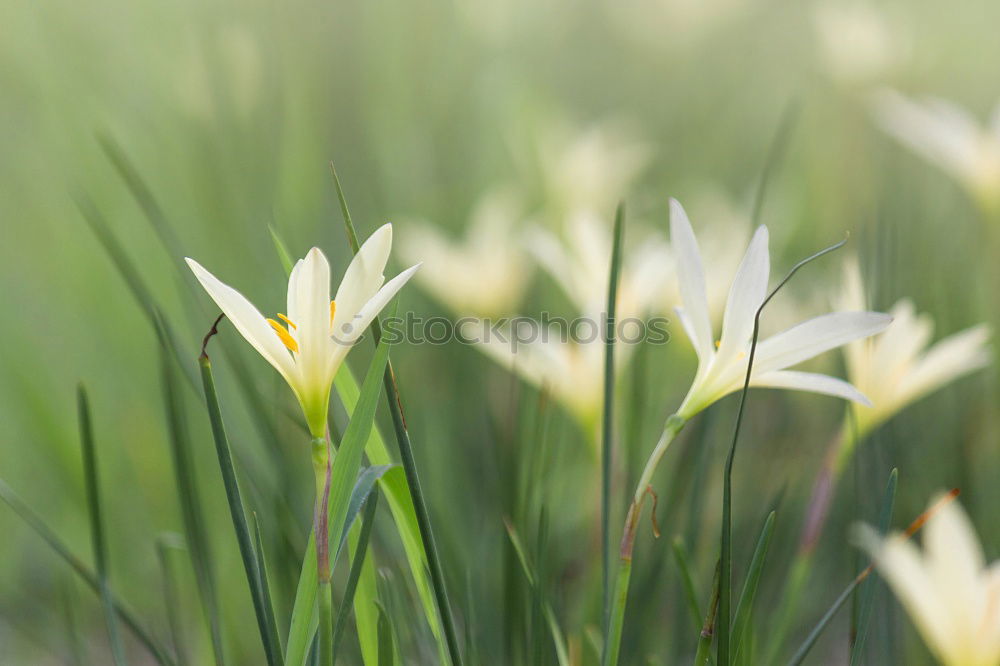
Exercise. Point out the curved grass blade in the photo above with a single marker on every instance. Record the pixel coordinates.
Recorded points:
(362, 489)
(357, 563)
(164, 544)
(704, 653)
(868, 588)
(345, 470)
(687, 581)
(284, 256)
(409, 466)
(265, 585)
(97, 523)
(607, 428)
(386, 638)
(745, 604)
(191, 508)
(268, 632)
(127, 617)
(725, 579)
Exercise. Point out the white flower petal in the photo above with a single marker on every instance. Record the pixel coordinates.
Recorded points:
(816, 336)
(691, 280)
(809, 381)
(745, 296)
(248, 321)
(364, 276)
(312, 285)
(954, 559)
(952, 357)
(348, 333)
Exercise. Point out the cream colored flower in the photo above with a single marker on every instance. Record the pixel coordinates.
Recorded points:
(949, 137)
(320, 332)
(722, 365)
(483, 274)
(898, 367)
(950, 593)
(858, 42)
(581, 264)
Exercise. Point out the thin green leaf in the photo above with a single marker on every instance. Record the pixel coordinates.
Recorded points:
(164, 544)
(362, 488)
(128, 617)
(558, 640)
(97, 523)
(386, 639)
(191, 508)
(357, 564)
(687, 582)
(704, 653)
(607, 431)
(745, 605)
(345, 470)
(264, 580)
(868, 587)
(268, 636)
(284, 256)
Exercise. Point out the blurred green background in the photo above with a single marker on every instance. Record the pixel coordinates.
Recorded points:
(231, 111)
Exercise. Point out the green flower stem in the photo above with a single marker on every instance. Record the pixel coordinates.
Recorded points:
(321, 468)
(612, 643)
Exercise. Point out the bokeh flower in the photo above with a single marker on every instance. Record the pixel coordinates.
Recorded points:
(950, 593)
(309, 346)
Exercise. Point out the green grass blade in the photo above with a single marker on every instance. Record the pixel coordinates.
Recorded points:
(386, 639)
(344, 472)
(868, 587)
(357, 564)
(97, 523)
(265, 584)
(607, 429)
(191, 508)
(268, 636)
(362, 489)
(409, 467)
(687, 581)
(888, 500)
(128, 618)
(284, 256)
(558, 640)
(745, 605)
(164, 544)
(704, 652)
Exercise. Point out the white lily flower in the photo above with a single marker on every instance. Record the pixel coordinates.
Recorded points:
(483, 274)
(580, 265)
(898, 367)
(950, 593)
(950, 137)
(722, 366)
(319, 331)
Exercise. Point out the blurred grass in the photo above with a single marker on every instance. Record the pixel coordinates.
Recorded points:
(231, 111)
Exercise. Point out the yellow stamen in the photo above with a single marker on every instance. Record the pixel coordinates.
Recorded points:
(718, 343)
(284, 335)
(287, 320)
(333, 310)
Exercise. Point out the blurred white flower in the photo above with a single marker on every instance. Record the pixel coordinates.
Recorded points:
(948, 136)
(319, 331)
(722, 365)
(858, 42)
(898, 367)
(483, 274)
(950, 593)
(673, 24)
(581, 265)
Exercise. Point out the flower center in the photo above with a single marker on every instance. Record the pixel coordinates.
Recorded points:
(285, 336)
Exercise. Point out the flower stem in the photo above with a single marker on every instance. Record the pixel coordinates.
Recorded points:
(321, 467)
(616, 620)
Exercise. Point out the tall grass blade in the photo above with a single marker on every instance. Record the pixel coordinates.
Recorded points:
(725, 577)
(409, 465)
(164, 544)
(251, 567)
(362, 490)
(704, 653)
(97, 523)
(357, 563)
(25, 513)
(284, 256)
(687, 581)
(345, 470)
(264, 580)
(386, 639)
(607, 430)
(191, 508)
(745, 605)
(868, 587)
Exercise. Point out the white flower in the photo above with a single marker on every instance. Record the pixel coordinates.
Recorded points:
(950, 593)
(897, 367)
(948, 136)
(484, 273)
(858, 42)
(581, 263)
(319, 331)
(722, 366)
